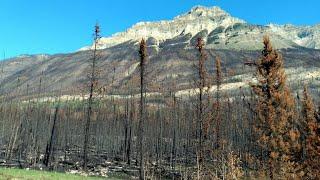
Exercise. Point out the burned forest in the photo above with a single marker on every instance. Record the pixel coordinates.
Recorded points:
(191, 98)
(260, 131)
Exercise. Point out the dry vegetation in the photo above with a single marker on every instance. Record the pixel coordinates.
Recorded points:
(268, 134)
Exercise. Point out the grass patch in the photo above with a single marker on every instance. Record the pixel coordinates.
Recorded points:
(21, 174)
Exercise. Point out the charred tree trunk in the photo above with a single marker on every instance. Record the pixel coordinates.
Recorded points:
(218, 103)
(49, 147)
(201, 86)
(93, 82)
(131, 118)
(143, 55)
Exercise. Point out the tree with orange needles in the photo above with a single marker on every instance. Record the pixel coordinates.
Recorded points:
(310, 138)
(275, 127)
(203, 84)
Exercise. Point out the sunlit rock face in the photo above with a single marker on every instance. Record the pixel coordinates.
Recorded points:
(218, 28)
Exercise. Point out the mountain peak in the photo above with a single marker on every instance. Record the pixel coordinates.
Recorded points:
(199, 18)
(204, 12)
(218, 27)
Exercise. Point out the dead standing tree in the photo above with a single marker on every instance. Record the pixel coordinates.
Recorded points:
(217, 104)
(49, 147)
(202, 85)
(143, 56)
(93, 83)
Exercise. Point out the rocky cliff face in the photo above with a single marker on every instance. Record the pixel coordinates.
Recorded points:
(191, 23)
(219, 29)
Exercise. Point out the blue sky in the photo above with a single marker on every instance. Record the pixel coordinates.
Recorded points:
(61, 26)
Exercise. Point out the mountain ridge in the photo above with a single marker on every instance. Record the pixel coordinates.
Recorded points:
(223, 31)
(170, 61)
